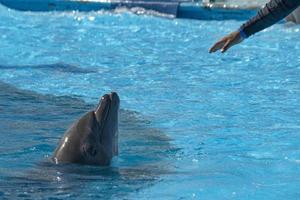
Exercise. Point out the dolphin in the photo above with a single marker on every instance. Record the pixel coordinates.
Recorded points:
(146, 157)
(93, 139)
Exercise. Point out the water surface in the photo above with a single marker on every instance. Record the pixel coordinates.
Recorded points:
(233, 119)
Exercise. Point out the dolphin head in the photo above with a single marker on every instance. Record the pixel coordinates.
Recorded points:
(93, 139)
(107, 118)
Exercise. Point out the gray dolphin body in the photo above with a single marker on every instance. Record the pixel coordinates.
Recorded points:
(93, 139)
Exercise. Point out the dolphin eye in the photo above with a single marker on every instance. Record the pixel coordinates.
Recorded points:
(91, 150)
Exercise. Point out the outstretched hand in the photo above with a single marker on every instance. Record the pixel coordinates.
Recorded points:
(226, 42)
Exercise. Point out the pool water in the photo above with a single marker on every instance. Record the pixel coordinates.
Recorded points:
(193, 125)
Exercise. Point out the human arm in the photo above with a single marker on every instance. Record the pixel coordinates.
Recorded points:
(273, 12)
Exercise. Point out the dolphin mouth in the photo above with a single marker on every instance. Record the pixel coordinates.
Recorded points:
(108, 104)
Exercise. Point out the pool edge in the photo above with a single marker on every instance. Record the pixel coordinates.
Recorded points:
(177, 9)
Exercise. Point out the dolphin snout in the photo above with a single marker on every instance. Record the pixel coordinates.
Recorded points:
(115, 100)
(109, 104)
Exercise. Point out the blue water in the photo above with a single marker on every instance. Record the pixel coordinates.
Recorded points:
(193, 125)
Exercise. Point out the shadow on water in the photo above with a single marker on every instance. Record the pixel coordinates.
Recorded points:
(56, 67)
(31, 125)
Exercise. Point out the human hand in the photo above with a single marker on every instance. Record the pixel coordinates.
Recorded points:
(226, 42)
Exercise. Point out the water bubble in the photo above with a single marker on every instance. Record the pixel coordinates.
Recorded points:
(32, 148)
(91, 18)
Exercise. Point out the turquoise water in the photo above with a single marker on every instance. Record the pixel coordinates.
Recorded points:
(193, 124)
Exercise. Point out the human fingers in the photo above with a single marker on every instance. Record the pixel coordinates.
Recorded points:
(226, 46)
(218, 45)
(233, 40)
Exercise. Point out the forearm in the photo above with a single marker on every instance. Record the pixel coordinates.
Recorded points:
(273, 12)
